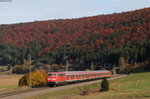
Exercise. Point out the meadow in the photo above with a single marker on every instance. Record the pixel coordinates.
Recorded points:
(133, 86)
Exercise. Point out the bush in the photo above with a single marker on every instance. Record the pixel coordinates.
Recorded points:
(104, 85)
(38, 79)
(24, 81)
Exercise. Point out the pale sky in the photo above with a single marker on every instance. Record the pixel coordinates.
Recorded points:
(35, 10)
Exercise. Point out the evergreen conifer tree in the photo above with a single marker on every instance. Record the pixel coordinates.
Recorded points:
(104, 85)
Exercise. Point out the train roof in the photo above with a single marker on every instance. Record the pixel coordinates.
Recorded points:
(81, 71)
(85, 71)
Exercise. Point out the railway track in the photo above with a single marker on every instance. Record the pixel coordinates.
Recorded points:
(21, 92)
(36, 91)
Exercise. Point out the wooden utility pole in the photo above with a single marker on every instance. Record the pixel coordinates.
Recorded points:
(92, 66)
(104, 67)
(114, 69)
(30, 84)
(67, 65)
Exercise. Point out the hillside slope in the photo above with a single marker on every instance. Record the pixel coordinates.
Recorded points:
(54, 41)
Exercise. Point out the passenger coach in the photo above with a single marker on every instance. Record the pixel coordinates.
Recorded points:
(58, 78)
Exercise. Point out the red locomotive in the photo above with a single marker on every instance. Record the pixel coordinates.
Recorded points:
(58, 78)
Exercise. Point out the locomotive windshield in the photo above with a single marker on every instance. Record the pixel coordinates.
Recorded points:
(52, 75)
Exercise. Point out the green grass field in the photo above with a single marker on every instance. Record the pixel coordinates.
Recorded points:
(134, 86)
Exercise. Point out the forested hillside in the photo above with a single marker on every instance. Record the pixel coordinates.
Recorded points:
(102, 38)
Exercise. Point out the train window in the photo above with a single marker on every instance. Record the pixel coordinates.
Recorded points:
(52, 75)
(76, 76)
(86, 75)
(71, 76)
(67, 76)
(82, 75)
(60, 75)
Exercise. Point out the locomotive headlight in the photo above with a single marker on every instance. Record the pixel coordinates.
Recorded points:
(53, 78)
(49, 79)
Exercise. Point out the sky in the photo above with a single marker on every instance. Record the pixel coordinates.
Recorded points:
(18, 11)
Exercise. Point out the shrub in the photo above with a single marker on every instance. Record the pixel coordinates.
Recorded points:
(23, 81)
(38, 79)
(104, 85)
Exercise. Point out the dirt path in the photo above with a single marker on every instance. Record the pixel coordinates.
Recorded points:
(24, 95)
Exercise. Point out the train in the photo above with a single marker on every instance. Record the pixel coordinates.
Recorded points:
(60, 78)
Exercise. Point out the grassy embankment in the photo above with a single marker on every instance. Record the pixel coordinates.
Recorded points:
(134, 86)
